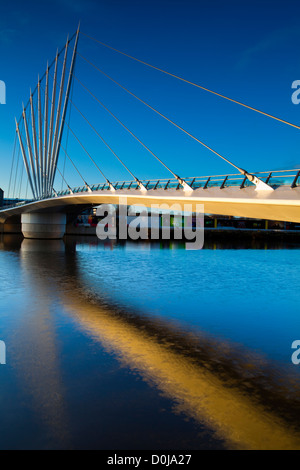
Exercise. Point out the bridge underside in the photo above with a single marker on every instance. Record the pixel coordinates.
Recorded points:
(11, 225)
(283, 204)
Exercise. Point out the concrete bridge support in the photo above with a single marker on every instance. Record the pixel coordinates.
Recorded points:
(43, 226)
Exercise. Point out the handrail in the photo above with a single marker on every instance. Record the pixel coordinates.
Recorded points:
(274, 178)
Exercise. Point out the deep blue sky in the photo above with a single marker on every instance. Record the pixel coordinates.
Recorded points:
(248, 50)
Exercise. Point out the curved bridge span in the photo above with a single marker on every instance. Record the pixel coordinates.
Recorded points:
(281, 204)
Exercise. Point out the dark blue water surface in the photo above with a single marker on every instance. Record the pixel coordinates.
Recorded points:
(148, 346)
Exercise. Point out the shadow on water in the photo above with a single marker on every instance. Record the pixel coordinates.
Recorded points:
(248, 402)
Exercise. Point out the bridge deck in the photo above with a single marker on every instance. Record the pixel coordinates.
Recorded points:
(281, 204)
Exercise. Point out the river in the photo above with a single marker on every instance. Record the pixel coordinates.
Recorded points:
(148, 345)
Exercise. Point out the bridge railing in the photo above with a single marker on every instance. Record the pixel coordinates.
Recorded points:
(20, 203)
(278, 178)
(274, 179)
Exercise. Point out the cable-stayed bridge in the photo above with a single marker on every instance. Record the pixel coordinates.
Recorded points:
(41, 153)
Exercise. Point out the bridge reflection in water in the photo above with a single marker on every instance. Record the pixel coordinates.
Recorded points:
(238, 396)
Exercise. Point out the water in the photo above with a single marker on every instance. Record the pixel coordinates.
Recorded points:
(148, 346)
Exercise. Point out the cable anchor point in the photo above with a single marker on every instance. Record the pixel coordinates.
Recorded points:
(111, 187)
(260, 184)
(186, 187)
(88, 187)
(141, 186)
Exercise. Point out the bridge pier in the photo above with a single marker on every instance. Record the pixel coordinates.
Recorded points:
(43, 226)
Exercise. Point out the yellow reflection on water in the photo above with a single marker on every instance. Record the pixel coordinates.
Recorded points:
(236, 418)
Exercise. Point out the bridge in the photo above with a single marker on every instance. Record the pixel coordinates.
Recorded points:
(271, 195)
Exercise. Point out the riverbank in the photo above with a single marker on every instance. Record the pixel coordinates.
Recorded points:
(220, 233)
